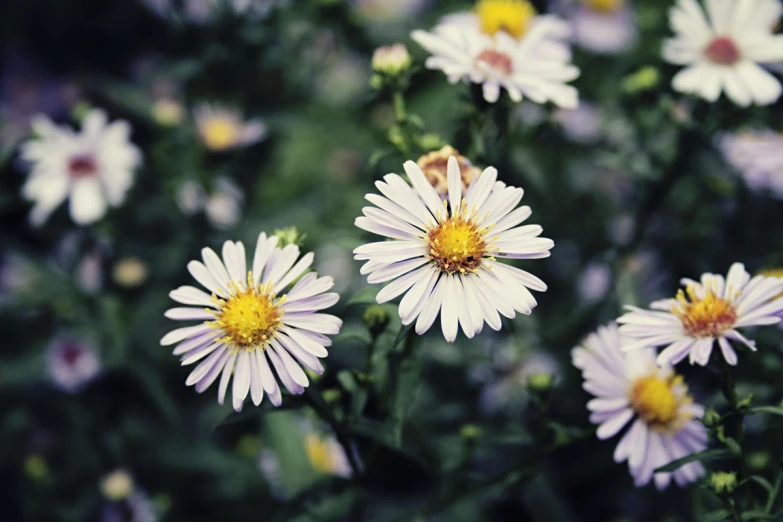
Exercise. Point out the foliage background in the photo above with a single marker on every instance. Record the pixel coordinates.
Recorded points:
(647, 202)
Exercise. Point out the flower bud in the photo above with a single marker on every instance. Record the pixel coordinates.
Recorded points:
(35, 467)
(711, 418)
(722, 482)
(644, 79)
(289, 236)
(375, 319)
(391, 60)
(470, 432)
(117, 485)
(167, 112)
(540, 382)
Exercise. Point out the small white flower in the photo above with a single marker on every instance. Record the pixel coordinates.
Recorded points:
(582, 124)
(631, 388)
(223, 207)
(722, 50)
(94, 167)
(462, 52)
(72, 364)
(603, 26)
(245, 325)
(443, 252)
(712, 311)
(223, 129)
(758, 156)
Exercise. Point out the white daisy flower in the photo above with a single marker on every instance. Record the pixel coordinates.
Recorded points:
(443, 253)
(603, 26)
(72, 364)
(222, 129)
(722, 50)
(632, 389)
(758, 156)
(712, 311)
(245, 325)
(93, 168)
(516, 18)
(462, 52)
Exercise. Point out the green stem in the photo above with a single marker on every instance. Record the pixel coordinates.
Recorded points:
(730, 392)
(731, 508)
(774, 494)
(399, 107)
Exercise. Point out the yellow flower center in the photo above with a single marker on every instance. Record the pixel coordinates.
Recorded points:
(710, 316)
(457, 244)
(653, 399)
(250, 317)
(606, 6)
(220, 133)
(511, 16)
(319, 453)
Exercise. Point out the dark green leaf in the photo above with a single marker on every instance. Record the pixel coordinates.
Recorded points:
(761, 481)
(733, 445)
(709, 454)
(365, 296)
(773, 410)
(717, 516)
(758, 515)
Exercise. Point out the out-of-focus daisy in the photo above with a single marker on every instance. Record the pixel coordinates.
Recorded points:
(594, 282)
(582, 124)
(190, 197)
(708, 311)
(433, 165)
(631, 388)
(462, 52)
(758, 156)
(223, 207)
(222, 128)
(506, 380)
(603, 26)
(517, 19)
(136, 508)
(201, 11)
(722, 49)
(443, 253)
(72, 364)
(245, 324)
(326, 455)
(94, 167)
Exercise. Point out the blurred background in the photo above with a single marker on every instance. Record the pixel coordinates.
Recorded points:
(96, 421)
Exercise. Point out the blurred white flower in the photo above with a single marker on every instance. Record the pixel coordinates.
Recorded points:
(581, 124)
(136, 508)
(202, 11)
(722, 50)
(244, 324)
(130, 272)
(594, 282)
(631, 388)
(711, 311)
(433, 165)
(94, 167)
(222, 128)
(326, 455)
(443, 251)
(89, 272)
(758, 156)
(344, 77)
(501, 61)
(603, 26)
(16, 275)
(223, 207)
(505, 384)
(190, 197)
(72, 364)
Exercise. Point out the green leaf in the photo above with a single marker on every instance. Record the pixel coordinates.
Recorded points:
(733, 445)
(709, 454)
(408, 380)
(773, 410)
(365, 296)
(758, 515)
(717, 516)
(761, 481)
(402, 335)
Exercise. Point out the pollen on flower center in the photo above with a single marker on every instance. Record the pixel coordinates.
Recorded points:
(722, 51)
(606, 6)
(653, 399)
(220, 133)
(497, 60)
(511, 16)
(458, 244)
(82, 165)
(250, 317)
(710, 316)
